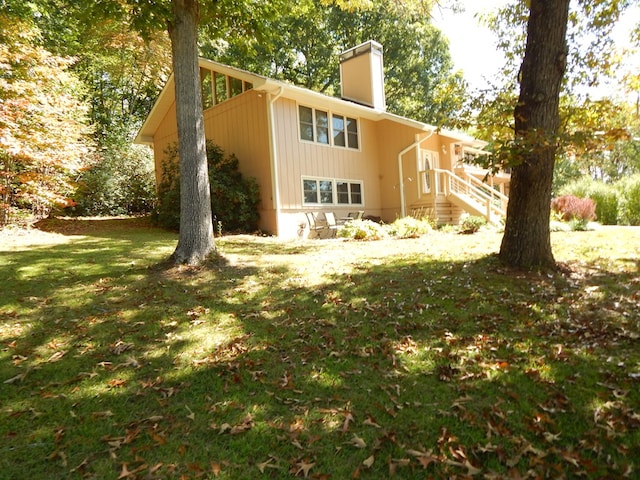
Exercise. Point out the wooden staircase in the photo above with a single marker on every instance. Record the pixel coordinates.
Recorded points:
(452, 195)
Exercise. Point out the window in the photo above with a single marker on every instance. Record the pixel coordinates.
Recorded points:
(322, 127)
(207, 88)
(315, 127)
(352, 132)
(324, 191)
(218, 87)
(338, 130)
(306, 124)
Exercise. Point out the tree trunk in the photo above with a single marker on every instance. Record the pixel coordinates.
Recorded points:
(196, 241)
(526, 241)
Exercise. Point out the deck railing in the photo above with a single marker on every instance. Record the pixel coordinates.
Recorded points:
(477, 195)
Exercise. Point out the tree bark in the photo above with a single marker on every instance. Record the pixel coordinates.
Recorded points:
(527, 240)
(196, 239)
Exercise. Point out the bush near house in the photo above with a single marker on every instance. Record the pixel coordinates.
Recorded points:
(472, 224)
(409, 227)
(363, 230)
(120, 182)
(234, 199)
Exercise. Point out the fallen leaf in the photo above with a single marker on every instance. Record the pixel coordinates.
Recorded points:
(368, 462)
(357, 442)
(56, 356)
(124, 473)
(191, 415)
(348, 418)
(425, 458)
(371, 422)
(304, 467)
(18, 378)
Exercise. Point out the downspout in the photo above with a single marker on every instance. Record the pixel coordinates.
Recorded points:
(273, 154)
(400, 155)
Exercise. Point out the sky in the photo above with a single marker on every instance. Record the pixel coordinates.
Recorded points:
(472, 46)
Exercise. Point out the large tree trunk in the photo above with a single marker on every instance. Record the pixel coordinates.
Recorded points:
(526, 241)
(196, 241)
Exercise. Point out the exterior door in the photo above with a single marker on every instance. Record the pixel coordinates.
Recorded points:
(428, 160)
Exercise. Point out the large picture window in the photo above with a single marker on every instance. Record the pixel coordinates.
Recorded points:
(325, 191)
(328, 128)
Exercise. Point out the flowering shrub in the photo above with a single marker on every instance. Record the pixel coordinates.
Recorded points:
(571, 208)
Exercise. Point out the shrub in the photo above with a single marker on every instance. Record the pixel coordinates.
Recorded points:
(234, 199)
(603, 194)
(571, 208)
(122, 182)
(363, 230)
(472, 224)
(409, 227)
(629, 211)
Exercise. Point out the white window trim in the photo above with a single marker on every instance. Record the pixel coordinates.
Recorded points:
(330, 114)
(334, 191)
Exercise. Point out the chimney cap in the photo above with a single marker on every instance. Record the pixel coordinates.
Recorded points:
(366, 47)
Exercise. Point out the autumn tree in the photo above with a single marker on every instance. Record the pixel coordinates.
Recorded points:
(43, 130)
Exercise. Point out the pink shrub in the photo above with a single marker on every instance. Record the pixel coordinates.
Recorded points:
(574, 208)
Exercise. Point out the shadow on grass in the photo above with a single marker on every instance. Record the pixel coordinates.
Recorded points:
(410, 366)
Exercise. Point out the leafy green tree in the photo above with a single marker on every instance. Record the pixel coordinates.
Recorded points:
(526, 241)
(304, 47)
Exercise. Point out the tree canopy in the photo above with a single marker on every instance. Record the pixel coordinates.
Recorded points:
(303, 43)
(43, 122)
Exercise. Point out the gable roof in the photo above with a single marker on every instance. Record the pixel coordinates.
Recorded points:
(300, 94)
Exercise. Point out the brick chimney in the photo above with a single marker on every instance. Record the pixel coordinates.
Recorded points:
(362, 76)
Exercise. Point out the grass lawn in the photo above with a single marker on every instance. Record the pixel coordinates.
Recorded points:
(421, 358)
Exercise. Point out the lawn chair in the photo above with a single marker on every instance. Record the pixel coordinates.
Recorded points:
(332, 224)
(319, 228)
(355, 215)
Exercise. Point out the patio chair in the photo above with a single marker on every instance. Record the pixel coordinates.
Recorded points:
(320, 228)
(355, 215)
(332, 224)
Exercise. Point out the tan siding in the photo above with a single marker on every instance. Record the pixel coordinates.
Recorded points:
(238, 126)
(306, 159)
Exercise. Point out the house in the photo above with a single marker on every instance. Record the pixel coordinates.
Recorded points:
(312, 152)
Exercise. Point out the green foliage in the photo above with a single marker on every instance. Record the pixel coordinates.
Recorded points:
(629, 190)
(363, 230)
(409, 227)
(234, 199)
(304, 41)
(120, 182)
(604, 195)
(472, 224)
